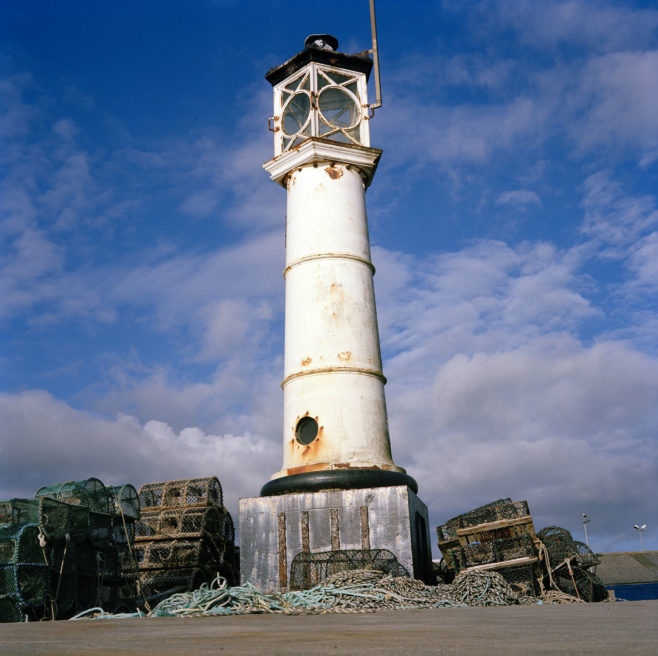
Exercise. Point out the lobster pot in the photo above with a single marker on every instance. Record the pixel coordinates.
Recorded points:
(496, 551)
(20, 544)
(228, 529)
(64, 556)
(155, 582)
(87, 592)
(91, 561)
(100, 528)
(28, 583)
(77, 526)
(108, 595)
(580, 583)
(496, 511)
(90, 492)
(174, 553)
(51, 515)
(585, 557)
(123, 532)
(176, 494)
(108, 561)
(80, 558)
(521, 578)
(19, 511)
(490, 512)
(310, 569)
(127, 594)
(148, 524)
(10, 610)
(558, 543)
(125, 501)
(55, 518)
(183, 523)
(63, 589)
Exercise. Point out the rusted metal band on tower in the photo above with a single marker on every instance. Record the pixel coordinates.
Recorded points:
(330, 256)
(333, 370)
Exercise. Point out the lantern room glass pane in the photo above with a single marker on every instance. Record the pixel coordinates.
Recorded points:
(296, 113)
(339, 108)
(339, 77)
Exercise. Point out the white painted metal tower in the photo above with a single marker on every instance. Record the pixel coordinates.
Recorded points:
(335, 432)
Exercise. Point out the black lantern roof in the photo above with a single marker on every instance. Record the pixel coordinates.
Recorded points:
(316, 50)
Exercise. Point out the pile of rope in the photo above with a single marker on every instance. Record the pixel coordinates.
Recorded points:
(345, 592)
(355, 591)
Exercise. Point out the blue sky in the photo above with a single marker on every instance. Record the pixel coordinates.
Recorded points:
(513, 219)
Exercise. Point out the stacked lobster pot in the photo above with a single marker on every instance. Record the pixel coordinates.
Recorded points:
(60, 551)
(498, 536)
(570, 565)
(185, 537)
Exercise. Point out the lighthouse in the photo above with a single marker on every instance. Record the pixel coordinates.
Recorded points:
(338, 487)
(335, 426)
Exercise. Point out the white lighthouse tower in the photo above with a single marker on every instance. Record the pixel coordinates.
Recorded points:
(339, 487)
(335, 427)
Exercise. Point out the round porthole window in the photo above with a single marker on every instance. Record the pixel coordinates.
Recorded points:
(307, 430)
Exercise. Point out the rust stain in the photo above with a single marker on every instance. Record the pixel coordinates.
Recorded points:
(345, 356)
(334, 172)
(283, 556)
(307, 468)
(365, 528)
(306, 542)
(321, 466)
(306, 362)
(335, 531)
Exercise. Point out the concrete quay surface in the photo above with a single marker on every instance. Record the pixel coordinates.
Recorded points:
(605, 628)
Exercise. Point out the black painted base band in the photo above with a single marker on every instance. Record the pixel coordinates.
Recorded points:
(336, 479)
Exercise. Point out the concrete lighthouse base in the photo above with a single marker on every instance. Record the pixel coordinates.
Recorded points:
(274, 529)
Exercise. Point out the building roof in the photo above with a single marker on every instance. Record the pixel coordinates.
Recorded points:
(628, 567)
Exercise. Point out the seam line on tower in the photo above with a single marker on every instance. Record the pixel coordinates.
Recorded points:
(330, 256)
(327, 370)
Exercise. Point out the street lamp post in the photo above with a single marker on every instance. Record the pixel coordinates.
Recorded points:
(585, 523)
(640, 530)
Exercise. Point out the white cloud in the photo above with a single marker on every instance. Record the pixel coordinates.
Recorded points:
(616, 103)
(644, 260)
(565, 429)
(518, 198)
(615, 219)
(45, 441)
(595, 24)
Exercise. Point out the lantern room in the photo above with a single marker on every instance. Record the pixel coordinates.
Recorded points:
(320, 93)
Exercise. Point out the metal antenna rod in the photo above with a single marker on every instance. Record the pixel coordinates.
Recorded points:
(375, 57)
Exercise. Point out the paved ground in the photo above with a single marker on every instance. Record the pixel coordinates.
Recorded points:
(607, 628)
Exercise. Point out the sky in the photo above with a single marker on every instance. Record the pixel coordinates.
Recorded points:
(513, 222)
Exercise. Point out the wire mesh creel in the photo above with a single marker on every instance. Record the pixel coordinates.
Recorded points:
(125, 501)
(90, 492)
(53, 517)
(20, 544)
(309, 569)
(182, 522)
(184, 492)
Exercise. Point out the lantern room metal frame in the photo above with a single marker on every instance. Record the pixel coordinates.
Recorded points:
(320, 101)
